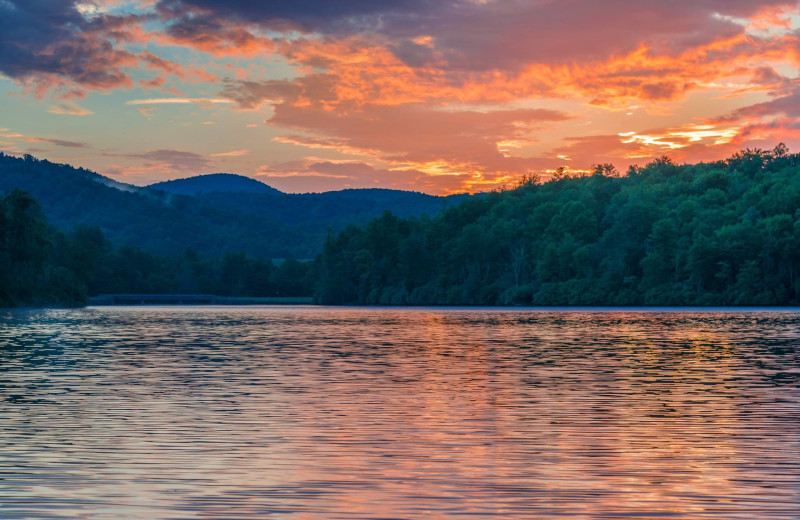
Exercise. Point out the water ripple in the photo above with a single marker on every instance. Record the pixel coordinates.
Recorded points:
(328, 413)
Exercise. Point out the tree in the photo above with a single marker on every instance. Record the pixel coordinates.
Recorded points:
(605, 170)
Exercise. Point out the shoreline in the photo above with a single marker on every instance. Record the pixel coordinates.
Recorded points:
(465, 308)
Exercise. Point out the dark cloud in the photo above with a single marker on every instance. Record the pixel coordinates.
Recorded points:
(788, 105)
(58, 142)
(27, 28)
(252, 94)
(659, 90)
(50, 43)
(509, 34)
(413, 53)
(305, 15)
(174, 160)
(500, 34)
(224, 27)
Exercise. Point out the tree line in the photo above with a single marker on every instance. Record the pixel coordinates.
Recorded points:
(719, 233)
(263, 225)
(42, 265)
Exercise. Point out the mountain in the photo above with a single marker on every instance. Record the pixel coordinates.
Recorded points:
(330, 210)
(338, 208)
(215, 182)
(267, 223)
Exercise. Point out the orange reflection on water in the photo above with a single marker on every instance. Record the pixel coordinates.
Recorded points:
(404, 413)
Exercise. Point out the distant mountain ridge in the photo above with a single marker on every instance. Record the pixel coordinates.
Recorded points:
(232, 183)
(223, 213)
(215, 182)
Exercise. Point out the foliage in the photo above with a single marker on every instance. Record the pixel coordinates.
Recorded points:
(720, 233)
(224, 218)
(40, 265)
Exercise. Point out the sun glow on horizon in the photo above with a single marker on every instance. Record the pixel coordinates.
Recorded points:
(421, 107)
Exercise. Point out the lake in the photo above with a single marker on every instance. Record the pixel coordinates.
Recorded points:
(350, 413)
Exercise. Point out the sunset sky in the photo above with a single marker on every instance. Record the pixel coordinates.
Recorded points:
(432, 96)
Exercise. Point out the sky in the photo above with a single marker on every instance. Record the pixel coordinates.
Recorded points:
(436, 96)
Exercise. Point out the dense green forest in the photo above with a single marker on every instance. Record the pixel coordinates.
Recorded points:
(227, 213)
(719, 233)
(41, 265)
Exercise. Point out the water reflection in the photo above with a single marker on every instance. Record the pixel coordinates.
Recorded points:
(315, 413)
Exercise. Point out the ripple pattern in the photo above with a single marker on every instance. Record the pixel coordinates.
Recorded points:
(373, 413)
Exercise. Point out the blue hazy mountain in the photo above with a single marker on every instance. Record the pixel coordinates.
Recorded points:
(215, 182)
(226, 213)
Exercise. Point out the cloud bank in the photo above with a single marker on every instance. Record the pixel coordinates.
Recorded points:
(467, 94)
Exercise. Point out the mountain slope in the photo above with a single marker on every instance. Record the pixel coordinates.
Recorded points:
(215, 182)
(270, 224)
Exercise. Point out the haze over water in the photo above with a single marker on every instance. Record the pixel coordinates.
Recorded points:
(319, 413)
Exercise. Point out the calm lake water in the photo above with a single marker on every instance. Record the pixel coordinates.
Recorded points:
(341, 413)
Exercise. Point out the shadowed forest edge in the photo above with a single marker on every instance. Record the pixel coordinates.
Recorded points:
(718, 233)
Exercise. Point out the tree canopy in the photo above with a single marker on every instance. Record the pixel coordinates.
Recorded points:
(40, 265)
(718, 233)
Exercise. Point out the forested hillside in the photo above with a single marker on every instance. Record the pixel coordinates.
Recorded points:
(214, 182)
(222, 218)
(40, 265)
(27, 273)
(720, 233)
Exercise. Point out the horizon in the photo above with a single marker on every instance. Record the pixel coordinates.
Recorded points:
(308, 97)
(515, 182)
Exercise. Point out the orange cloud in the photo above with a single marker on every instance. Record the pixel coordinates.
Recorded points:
(232, 153)
(327, 175)
(443, 90)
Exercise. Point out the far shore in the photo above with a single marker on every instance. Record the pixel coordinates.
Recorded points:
(194, 299)
(308, 302)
